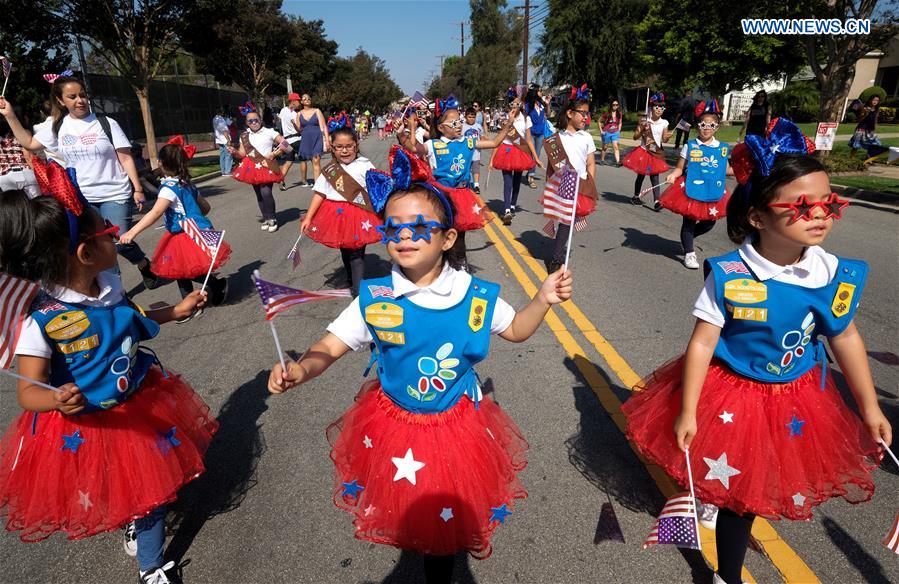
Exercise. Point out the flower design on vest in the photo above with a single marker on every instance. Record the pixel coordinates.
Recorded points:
(795, 341)
(458, 164)
(437, 370)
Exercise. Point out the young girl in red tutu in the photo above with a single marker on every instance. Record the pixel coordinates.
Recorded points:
(123, 434)
(648, 158)
(423, 461)
(177, 256)
(340, 214)
(767, 431)
(515, 155)
(697, 190)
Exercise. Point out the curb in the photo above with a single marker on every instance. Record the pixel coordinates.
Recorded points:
(869, 199)
(207, 177)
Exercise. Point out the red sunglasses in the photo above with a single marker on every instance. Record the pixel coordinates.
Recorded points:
(111, 230)
(803, 208)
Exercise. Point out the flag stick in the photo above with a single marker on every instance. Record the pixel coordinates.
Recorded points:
(296, 244)
(489, 170)
(646, 190)
(212, 263)
(278, 346)
(30, 380)
(3, 93)
(890, 452)
(571, 227)
(693, 497)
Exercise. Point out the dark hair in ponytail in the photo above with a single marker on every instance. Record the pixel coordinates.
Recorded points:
(174, 161)
(562, 118)
(454, 256)
(60, 111)
(761, 190)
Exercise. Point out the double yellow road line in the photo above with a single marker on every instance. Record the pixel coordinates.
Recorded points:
(792, 568)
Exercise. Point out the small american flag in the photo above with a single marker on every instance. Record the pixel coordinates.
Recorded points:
(677, 524)
(277, 297)
(734, 267)
(7, 66)
(559, 194)
(206, 239)
(15, 298)
(380, 291)
(892, 539)
(294, 256)
(417, 100)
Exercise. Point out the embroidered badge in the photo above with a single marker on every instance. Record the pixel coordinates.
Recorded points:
(842, 300)
(476, 314)
(384, 315)
(379, 291)
(67, 325)
(338, 184)
(48, 305)
(745, 291)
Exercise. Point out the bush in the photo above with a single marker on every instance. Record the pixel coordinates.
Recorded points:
(798, 101)
(886, 114)
(890, 102)
(871, 92)
(840, 162)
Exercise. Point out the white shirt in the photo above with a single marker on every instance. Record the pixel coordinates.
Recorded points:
(521, 124)
(713, 143)
(578, 146)
(356, 169)
(657, 128)
(817, 268)
(166, 192)
(220, 129)
(32, 341)
(287, 117)
(83, 145)
(51, 155)
(263, 141)
(448, 290)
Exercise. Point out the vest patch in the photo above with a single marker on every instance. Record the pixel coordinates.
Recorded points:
(476, 314)
(67, 325)
(384, 315)
(748, 313)
(745, 291)
(90, 342)
(842, 300)
(394, 337)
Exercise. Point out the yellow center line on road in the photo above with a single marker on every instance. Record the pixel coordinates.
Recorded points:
(785, 559)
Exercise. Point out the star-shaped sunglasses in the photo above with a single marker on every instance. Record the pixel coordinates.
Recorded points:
(803, 208)
(420, 229)
(110, 229)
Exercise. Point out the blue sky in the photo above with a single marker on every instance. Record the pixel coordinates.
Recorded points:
(410, 35)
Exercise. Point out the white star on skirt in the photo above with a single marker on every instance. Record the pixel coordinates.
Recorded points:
(258, 165)
(727, 417)
(476, 209)
(366, 225)
(713, 211)
(406, 467)
(720, 470)
(85, 500)
(799, 499)
(367, 441)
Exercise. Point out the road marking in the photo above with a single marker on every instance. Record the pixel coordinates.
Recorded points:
(785, 559)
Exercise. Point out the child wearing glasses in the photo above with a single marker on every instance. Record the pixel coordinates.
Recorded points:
(424, 462)
(751, 402)
(648, 159)
(122, 434)
(340, 214)
(698, 190)
(515, 155)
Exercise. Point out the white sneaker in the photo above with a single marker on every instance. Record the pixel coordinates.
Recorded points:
(158, 575)
(264, 226)
(272, 226)
(690, 261)
(716, 579)
(129, 540)
(708, 515)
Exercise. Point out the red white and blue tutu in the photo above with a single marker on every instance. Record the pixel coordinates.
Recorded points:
(341, 224)
(773, 449)
(94, 472)
(466, 486)
(675, 199)
(177, 256)
(641, 161)
(511, 158)
(471, 213)
(255, 173)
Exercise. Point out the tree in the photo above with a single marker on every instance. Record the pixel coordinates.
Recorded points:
(136, 37)
(601, 54)
(361, 81)
(686, 42)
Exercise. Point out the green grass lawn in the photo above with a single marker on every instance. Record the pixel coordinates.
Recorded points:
(204, 165)
(868, 183)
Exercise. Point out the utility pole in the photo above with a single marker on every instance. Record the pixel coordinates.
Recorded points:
(462, 39)
(527, 29)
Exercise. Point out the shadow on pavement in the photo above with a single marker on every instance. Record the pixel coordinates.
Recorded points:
(230, 467)
(868, 567)
(240, 283)
(375, 267)
(539, 246)
(651, 244)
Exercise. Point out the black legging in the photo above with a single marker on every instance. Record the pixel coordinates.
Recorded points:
(653, 180)
(354, 263)
(439, 569)
(561, 243)
(732, 539)
(266, 201)
(186, 286)
(511, 186)
(681, 134)
(691, 228)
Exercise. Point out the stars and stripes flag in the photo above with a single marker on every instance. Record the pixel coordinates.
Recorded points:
(417, 100)
(892, 539)
(7, 69)
(277, 297)
(559, 200)
(677, 524)
(16, 295)
(294, 254)
(733, 267)
(207, 240)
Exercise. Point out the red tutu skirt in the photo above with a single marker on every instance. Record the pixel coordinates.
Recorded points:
(642, 162)
(471, 213)
(773, 449)
(675, 199)
(254, 173)
(177, 256)
(340, 224)
(430, 483)
(95, 472)
(513, 158)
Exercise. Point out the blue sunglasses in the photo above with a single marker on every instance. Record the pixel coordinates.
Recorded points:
(420, 229)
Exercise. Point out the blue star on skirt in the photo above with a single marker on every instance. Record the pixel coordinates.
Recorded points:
(167, 441)
(352, 489)
(795, 426)
(500, 513)
(339, 211)
(72, 442)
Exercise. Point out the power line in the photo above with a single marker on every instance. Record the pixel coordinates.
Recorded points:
(538, 24)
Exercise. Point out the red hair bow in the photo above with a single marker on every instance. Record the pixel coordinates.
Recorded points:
(178, 140)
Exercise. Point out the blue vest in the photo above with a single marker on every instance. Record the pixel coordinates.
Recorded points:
(771, 328)
(96, 347)
(426, 356)
(187, 194)
(453, 161)
(706, 171)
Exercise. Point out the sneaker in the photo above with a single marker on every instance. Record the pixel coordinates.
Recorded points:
(716, 579)
(182, 321)
(507, 217)
(514, 209)
(310, 183)
(218, 292)
(129, 540)
(618, 164)
(636, 200)
(477, 190)
(272, 226)
(156, 575)
(264, 226)
(151, 280)
(708, 515)
(532, 183)
(657, 206)
(283, 186)
(690, 261)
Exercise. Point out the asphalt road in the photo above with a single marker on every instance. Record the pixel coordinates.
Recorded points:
(263, 511)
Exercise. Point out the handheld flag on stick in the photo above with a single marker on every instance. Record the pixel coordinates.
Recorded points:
(206, 239)
(678, 523)
(560, 203)
(213, 239)
(7, 69)
(294, 254)
(892, 539)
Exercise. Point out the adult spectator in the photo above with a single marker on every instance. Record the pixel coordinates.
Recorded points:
(758, 116)
(222, 134)
(686, 117)
(291, 132)
(479, 115)
(98, 150)
(535, 108)
(865, 135)
(15, 164)
(314, 140)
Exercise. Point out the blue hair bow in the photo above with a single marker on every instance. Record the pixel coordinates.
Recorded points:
(337, 122)
(784, 138)
(707, 107)
(247, 108)
(657, 97)
(582, 92)
(381, 185)
(441, 106)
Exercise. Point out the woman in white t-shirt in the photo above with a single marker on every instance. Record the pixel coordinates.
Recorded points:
(515, 156)
(99, 152)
